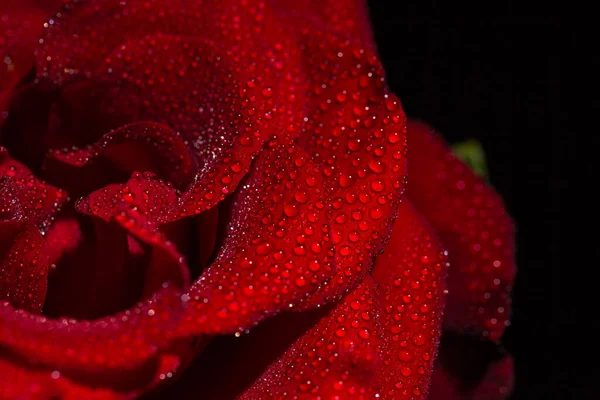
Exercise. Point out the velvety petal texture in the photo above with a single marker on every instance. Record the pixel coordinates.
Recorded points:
(223, 199)
(27, 206)
(120, 352)
(472, 222)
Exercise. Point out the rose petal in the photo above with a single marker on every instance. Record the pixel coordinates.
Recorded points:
(20, 382)
(65, 51)
(337, 358)
(140, 206)
(397, 315)
(410, 275)
(472, 222)
(471, 369)
(23, 263)
(27, 206)
(99, 276)
(123, 249)
(25, 382)
(277, 250)
(37, 201)
(355, 130)
(184, 63)
(118, 350)
(222, 143)
(230, 364)
(144, 146)
(118, 357)
(188, 91)
(62, 238)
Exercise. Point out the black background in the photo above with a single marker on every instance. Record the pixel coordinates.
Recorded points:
(497, 78)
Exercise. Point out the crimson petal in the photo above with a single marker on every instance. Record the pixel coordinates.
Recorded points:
(337, 358)
(38, 201)
(63, 237)
(355, 130)
(27, 206)
(230, 364)
(140, 206)
(184, 59)
(25, 382)
(144, 146)
(23, 263)
(472, 222)
(277, 250)
(106, 351)
(410, 275)
(390, 324)
(102, 261)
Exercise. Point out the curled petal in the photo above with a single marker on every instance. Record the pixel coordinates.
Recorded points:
(277, 250)
(231, 363)
(144, 146)
(222, 144)
(63, 237)
(140, 206)
(27, 206)
(23, 264)
(185, 67)
(19, 381)
(410, 275)
(122, 349)
(65, 54)
(32, 199)
(337, 358)
(380, 339)
(474, 226)
(355, 131)
(99, 273)
(123, 249)
(311, 226)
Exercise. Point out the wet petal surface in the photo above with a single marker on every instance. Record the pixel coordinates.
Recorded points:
(473, 224)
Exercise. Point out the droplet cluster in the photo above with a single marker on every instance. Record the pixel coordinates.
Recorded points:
(122, 343)
(472, 222)
(27, 207)
(336, 359)
(411, 277)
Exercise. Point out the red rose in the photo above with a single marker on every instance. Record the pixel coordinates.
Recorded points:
(177, 172)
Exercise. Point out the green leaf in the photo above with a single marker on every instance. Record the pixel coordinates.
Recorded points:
(471, 153)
